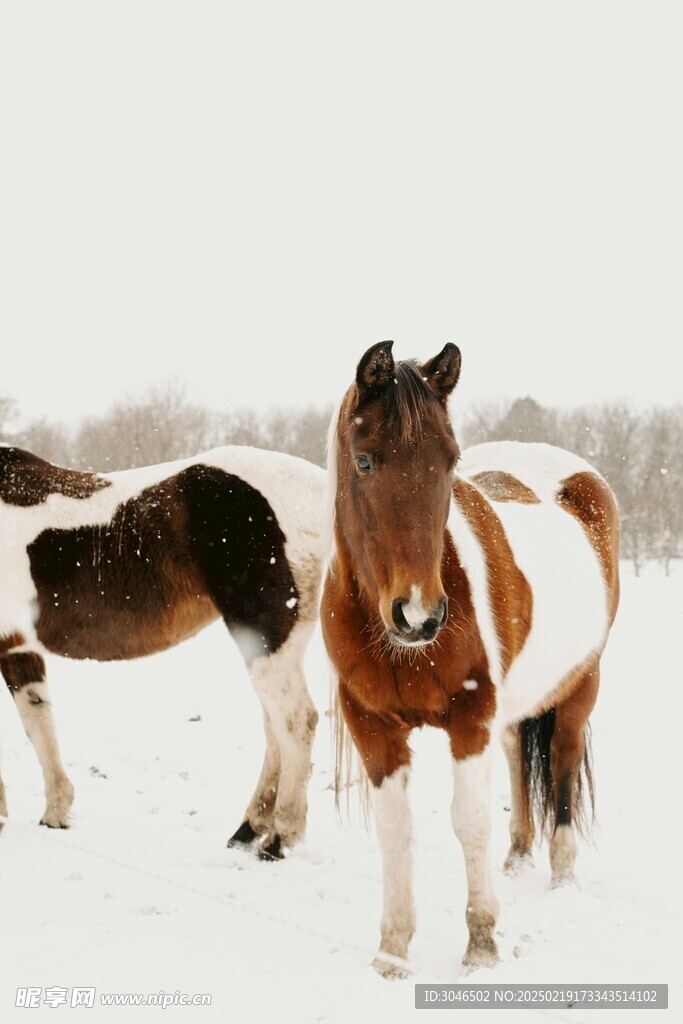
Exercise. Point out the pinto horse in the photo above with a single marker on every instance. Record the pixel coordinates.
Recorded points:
(125, 564)
(474, 595)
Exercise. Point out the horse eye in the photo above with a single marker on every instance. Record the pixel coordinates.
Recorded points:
(364, 463)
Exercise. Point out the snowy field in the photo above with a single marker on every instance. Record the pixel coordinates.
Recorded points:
(141, 894)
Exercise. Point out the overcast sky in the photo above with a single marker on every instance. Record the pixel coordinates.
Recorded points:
(245, 196)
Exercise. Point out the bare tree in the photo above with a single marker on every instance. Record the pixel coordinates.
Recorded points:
(160, 426)
(9, 411)
(638, 452)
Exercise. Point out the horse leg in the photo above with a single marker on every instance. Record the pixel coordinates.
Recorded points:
(24, 673)
(521, 819)
(394, 832)
(280, 683)
(567, 748)
(258, 818)
(471, 816)
(383, 747)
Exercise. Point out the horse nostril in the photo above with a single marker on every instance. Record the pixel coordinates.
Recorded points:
(400, 621)
(425, 629)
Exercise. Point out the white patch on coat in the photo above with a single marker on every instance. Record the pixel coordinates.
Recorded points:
(35, 711)
(471, 817)
(562, 855)
(281, 686)
(473, 560)
(394, 831)
(414, 611)
(570, 612)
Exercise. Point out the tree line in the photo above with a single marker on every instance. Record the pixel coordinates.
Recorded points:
(639, 452)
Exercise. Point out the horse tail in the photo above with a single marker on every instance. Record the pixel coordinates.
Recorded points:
(535, 737)
(349, 772)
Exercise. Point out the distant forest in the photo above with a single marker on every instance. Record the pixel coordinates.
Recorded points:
(639, 452)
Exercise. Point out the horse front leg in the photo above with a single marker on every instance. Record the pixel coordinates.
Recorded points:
(471, 816)
(394, 832)
(383, 747)
(24, 673)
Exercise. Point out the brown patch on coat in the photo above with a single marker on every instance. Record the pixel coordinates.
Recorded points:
(510, 594)
(11, 640)
(21, 669)
(172, 559)
(124, 590)
(567, 686)
(589, 499)
(26, 479)
(567, 745)
(500, 486)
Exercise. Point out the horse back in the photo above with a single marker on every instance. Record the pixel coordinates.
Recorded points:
(127, 564)
(560, 525)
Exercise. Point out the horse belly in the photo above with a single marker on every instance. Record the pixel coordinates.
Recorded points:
(113, 634)
(570, 608)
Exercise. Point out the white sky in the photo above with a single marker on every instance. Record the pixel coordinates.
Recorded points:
(246, 196)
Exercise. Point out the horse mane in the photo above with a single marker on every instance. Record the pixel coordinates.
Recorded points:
(406, 400)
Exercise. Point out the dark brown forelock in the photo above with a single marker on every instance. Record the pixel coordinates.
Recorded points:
(407, 401)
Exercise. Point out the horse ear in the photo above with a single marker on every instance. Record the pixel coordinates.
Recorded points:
(442, 371)
(375, 369)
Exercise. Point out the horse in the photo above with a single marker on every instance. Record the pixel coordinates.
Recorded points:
(473, 593)
(120, 565)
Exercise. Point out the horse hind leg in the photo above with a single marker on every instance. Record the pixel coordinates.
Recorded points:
(567, 754)
(279, 680)
(521, 818)
(258, 818)
(24, 673)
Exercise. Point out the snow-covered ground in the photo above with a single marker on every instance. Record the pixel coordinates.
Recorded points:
(142, 895)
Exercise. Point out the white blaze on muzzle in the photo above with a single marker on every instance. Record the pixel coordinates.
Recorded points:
(414, 611)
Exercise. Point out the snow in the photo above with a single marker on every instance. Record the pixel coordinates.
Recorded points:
(142, 894)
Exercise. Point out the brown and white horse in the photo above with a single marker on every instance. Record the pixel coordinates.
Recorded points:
(124, 564)
(473, 594)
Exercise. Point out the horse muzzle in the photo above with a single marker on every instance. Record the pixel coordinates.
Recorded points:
(412, 626)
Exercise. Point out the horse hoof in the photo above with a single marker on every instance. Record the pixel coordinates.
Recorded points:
(54, 823)
(391, 972)
(517, 864)
(481, 956)
(243, 837)
(272, 851)
(563, 880)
